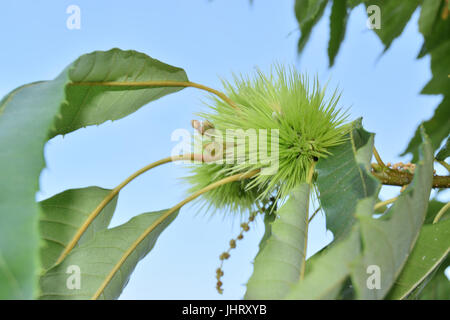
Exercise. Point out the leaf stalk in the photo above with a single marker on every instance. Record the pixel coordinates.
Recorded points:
(147, 84)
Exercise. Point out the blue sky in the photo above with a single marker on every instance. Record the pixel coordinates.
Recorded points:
(209, 39)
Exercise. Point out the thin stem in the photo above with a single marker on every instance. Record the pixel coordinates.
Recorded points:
(260, 209)
(314, 214)
(389, 201)
(441, 213)
(147, 231)
(394, 177)
(303, 265)
(378, 158)
(233, 242)
(310, 173)
(145, 84)
(111, 196)
(384, 203)
(444, 164)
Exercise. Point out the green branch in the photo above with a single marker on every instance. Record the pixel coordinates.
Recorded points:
(395, 177)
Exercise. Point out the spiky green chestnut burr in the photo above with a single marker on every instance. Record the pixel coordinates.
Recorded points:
(284, 103)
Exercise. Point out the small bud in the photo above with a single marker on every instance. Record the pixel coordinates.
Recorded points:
(232, 244)
(196, 125)
(202, 126)
(240, 237)
(224, 256)
(219, 287)
(207, 125)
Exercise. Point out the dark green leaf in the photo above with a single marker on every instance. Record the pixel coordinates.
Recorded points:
(354, 3)
(437, 128)
(439, 33)
(344, 178)
(338, 24)
(440, 66)
(394, 17)
(308, 13)
(444, 153)
(428, 15)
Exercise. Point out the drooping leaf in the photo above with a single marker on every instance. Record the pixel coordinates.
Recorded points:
(343, 178)
(444, 153)
(25, 121)
(33, 113)
(394, 17)
(328, 271)
(437, 128)
(278, 264)
(431, 248)
(308, 13)
(64, 214)
(96, 258)
(388, 242)
(338, 25)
